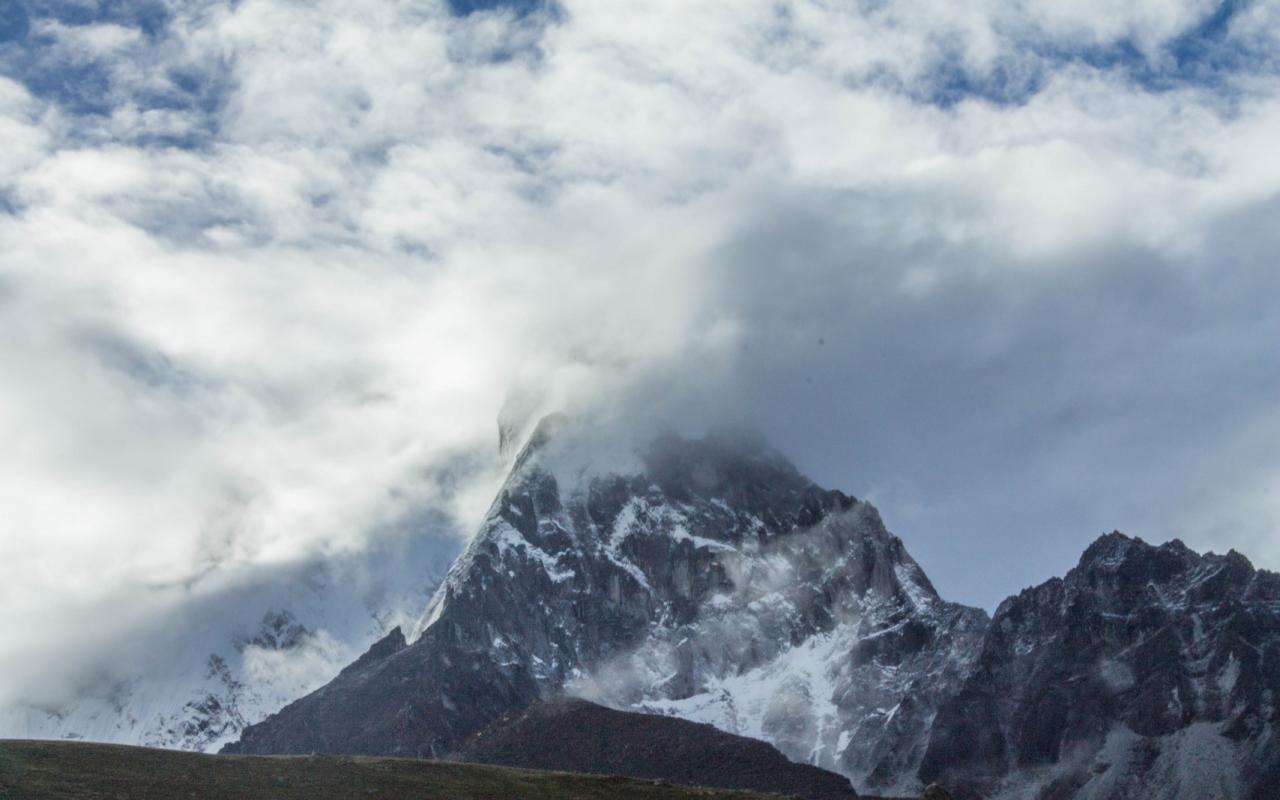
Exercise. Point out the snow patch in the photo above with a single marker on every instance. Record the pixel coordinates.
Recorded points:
(508, 540)
(1228, 676)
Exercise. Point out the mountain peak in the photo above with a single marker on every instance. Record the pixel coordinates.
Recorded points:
(704, 578)
(1110, 549)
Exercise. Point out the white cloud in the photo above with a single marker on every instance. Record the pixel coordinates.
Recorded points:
(90, 41)
(265, 346)
(1149, 22)
(20, 129)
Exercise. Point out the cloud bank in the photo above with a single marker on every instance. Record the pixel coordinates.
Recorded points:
(268, 271)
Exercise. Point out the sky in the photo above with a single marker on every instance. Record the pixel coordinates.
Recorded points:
(270, 269)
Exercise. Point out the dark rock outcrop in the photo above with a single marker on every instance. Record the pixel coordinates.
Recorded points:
(1146, 672)
(568, 735)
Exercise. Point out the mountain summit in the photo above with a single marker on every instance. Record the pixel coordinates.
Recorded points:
(704, 578)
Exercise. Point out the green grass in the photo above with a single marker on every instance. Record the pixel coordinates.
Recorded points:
(77, 770)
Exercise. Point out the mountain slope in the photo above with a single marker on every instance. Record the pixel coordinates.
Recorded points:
(568, 735)
(701, 578)
(1145, 672)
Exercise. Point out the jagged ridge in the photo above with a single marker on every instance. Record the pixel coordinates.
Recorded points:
(1145, 672)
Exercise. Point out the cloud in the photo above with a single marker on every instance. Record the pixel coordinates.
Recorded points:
(270, 269)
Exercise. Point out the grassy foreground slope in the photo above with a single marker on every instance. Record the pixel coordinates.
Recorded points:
(77, 770)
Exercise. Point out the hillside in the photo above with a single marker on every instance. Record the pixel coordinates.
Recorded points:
(32, 770)
(576, 736)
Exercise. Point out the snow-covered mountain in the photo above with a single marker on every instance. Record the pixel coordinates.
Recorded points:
(237, 653)
(707, 579)
(1146, 672)
(701, 578)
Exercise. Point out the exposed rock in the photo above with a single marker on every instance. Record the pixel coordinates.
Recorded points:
(1146, 672)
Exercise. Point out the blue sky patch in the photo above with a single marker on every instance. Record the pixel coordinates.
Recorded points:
(149, 16)
(1205, 56)
(465, 8)
(82, 83)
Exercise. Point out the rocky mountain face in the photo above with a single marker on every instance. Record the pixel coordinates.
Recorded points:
(709, 580)
(1146, 672)
(703, 579)
(569, 735)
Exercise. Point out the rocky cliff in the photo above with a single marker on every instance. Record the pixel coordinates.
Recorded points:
(1145, 672)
